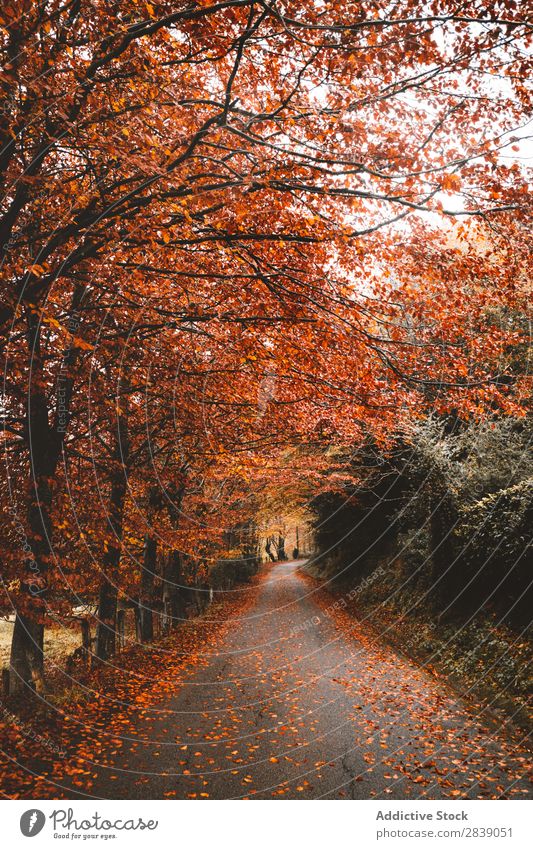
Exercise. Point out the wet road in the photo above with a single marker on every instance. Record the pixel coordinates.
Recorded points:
(293, 706)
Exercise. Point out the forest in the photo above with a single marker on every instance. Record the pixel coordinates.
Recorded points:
(265, 297)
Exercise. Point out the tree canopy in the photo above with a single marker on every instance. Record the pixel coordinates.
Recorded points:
(236, 236)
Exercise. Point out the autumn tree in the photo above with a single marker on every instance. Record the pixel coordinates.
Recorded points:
(241, 170)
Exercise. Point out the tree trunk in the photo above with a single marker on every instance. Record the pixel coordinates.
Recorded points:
(44, 442)
(146, 619)
(173, 602)
(121, 628)
(27, 658)
(107, 608)
(148, 570)
(107, 617)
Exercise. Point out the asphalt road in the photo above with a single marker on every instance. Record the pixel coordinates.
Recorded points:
(293, 707)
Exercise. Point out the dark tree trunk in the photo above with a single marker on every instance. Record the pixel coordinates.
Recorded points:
(107, 607)
(173, 601)
(27, 658)
(107, 618)
(121, 628)
(27, 661)
(296, 549)
(148, 569)
(44, 442)
(86, 641)
(145, 608)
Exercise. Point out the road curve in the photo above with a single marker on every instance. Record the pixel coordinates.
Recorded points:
(292, 707)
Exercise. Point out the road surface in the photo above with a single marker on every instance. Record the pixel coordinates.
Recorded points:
(294, 707)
